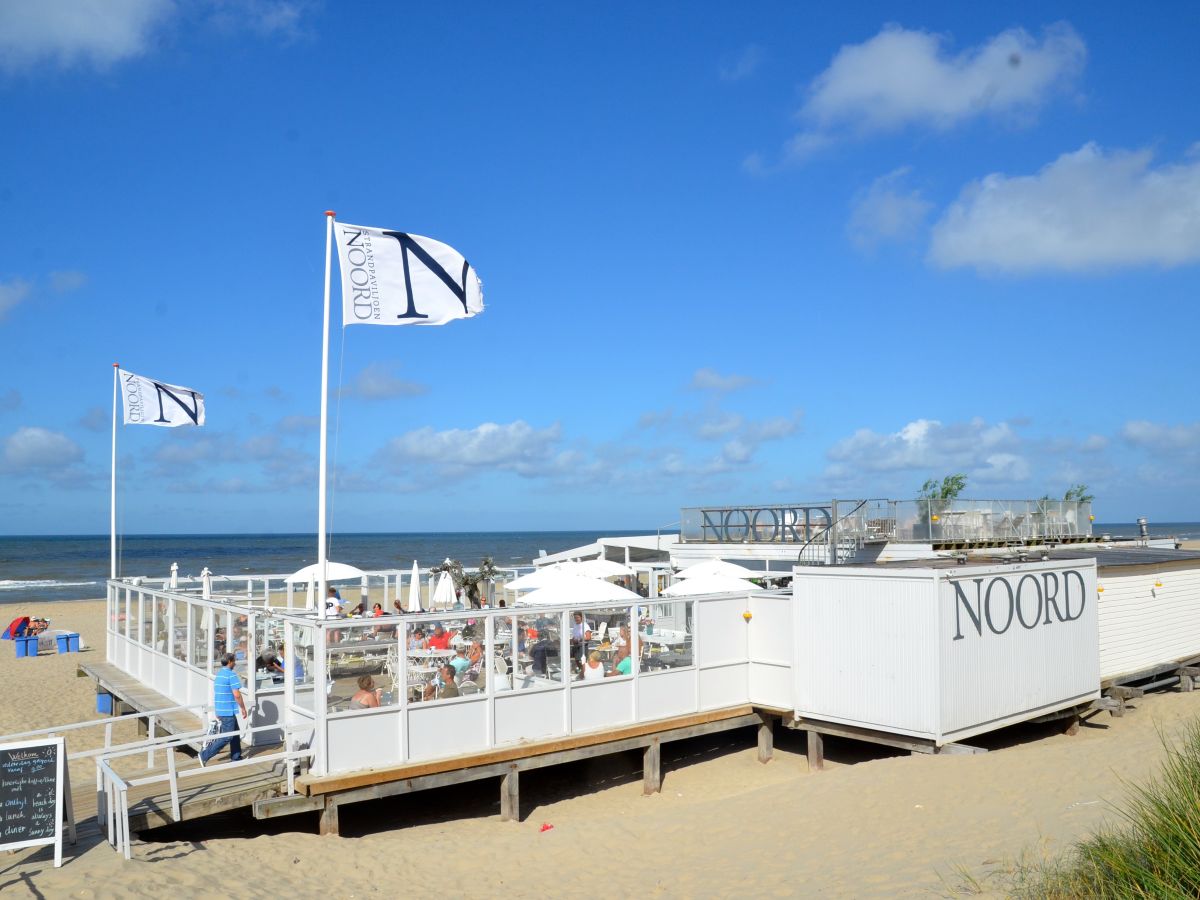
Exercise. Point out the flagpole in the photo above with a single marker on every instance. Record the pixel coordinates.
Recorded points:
(112, 523)
(321, 482)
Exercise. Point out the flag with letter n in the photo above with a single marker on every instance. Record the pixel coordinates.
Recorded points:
(396, 278)
(150, 402)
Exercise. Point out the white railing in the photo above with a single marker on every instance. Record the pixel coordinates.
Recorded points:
(115, 787)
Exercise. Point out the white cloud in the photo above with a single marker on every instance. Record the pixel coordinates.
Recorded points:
(12, 292)
(264, 17)
(65, 282)
(67, 32)
(744, 65)
(515, 447)
(97, 419)
(975, 446)
(378, 382)
(41, 453)
(710, 380)
(903, 77)
(1157, 437)
(1087, 210)
(886, 211)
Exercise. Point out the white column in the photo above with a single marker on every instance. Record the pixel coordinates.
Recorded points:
(321, 478)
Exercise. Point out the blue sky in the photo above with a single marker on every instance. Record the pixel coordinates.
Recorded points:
(731, 253)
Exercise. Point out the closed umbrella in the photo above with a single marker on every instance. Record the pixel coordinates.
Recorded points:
(443, 595)
(709, 584)
(718, 567)
(414, 590)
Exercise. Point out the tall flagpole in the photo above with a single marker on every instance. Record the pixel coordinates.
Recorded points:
(112, 523)
(321, 543)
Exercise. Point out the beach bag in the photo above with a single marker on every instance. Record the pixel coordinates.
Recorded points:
(214, 728)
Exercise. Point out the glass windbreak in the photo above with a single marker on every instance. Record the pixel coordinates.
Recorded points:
(498, 672)
(600, 643)
(539, 662)
(361, 664)
(142, 610)
(161, 639)
(665, 635)
(444, 659)
(202, 622)
(239, 643)
(179, 631)
(297, 657)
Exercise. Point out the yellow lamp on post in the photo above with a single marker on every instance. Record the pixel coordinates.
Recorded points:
(936, 517)
(1158, 582)
(747, 615)
(1099, 589)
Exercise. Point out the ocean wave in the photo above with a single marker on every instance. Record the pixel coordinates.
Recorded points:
(46, 583)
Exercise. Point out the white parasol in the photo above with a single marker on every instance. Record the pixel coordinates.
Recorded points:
(563, 589)
(718, 567)
(443, 594)
(414, 590)
(334, 571)
(709, 584)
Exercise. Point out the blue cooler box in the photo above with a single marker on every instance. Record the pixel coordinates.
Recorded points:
(27, 646)
(73, 643)
(64, 645)
(104, 704)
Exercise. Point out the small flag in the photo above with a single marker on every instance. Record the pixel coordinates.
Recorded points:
(150, 402)
(396, 278)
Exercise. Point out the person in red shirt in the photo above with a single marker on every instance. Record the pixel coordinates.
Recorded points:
(440, 639)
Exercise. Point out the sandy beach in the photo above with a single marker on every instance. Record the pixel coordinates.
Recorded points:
(874, 823)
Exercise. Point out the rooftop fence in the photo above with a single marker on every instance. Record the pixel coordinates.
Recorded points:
(813, 526)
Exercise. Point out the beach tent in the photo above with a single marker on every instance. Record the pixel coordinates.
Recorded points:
(718, 567)
(709, 584)
(16, 628)
(576, 589)
(414, 590)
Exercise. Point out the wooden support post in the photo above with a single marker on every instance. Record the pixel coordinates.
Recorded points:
(766, 738)
(816, 752)
(510, 795)
(329, 817)
(652, 768)
(1072, 728)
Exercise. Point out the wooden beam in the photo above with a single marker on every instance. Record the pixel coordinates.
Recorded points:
(329, 817)
(870, 735)
(766, 738)
(652, 768)
(816, 751)
(273, 807)
(326, 784)
(510, 795)
(956, 749)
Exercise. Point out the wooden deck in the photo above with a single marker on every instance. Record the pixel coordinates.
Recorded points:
(140, 698)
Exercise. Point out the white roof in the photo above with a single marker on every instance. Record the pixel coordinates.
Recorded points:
(662, 542)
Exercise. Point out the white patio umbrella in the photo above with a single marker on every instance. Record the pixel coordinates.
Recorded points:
(206, 583)
(601, 568)
(718, 567)
(174, 575)
(414, 590)
(576, 589)
(443, 594)
(334, 571)
(540, 578)
(709, 584)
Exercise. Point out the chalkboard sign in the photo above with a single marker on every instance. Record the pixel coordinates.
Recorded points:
(33, 787)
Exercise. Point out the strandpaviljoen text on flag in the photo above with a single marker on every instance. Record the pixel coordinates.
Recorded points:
(145, 401)
(396, 278)
(388, 278)
(150, 402)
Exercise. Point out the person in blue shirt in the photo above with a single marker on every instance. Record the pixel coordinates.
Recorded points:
(227, 700)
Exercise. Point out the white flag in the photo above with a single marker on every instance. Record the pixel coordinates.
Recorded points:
(150, 402)
(395, 278)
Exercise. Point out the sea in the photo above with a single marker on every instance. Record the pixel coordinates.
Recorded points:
(38, 569)
(74, 567)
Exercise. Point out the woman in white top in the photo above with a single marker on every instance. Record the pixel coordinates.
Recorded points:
(593, 669)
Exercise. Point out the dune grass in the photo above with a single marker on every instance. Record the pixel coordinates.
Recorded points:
(1154, 851)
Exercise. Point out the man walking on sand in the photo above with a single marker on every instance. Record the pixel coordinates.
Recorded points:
(227, 700)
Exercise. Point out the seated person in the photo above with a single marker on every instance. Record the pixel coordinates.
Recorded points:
(440, 639)
(417, 640)
(270, 661)
(581, 633)
(298, 672)
(459, 661)
(442, 687)
(367, 696)
(622, 639)
(622, 662)
(593, 669)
